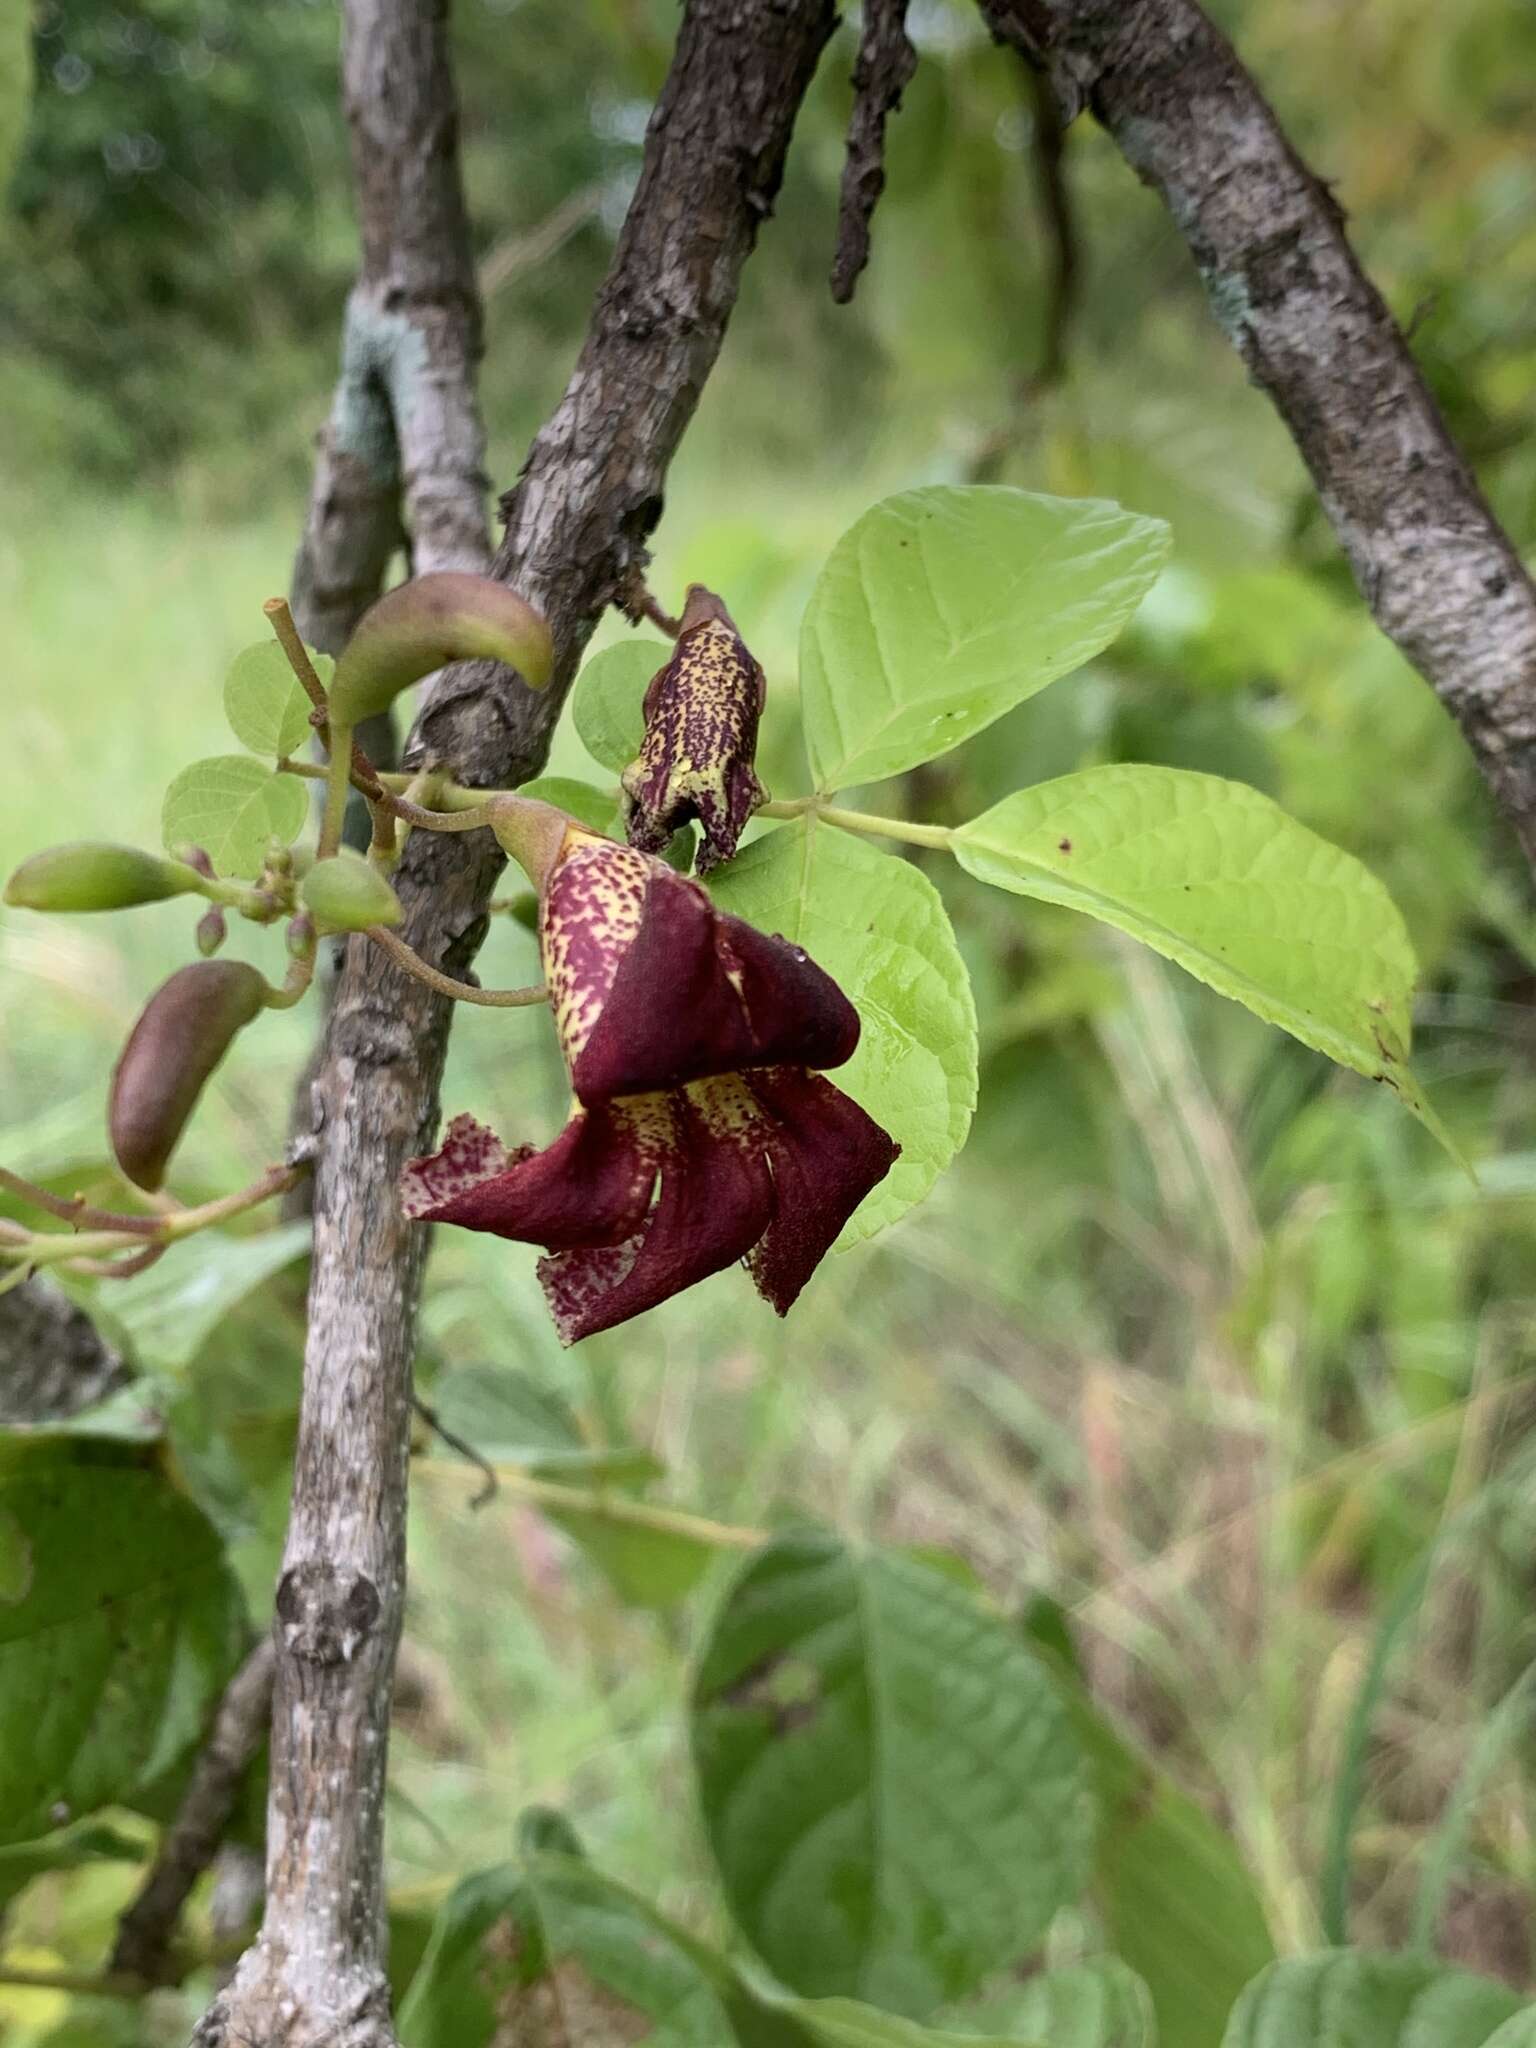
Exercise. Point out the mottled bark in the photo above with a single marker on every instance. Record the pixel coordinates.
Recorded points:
(881, 74)
(53, 1360)
(1432, 562)
(404, 422)
(577, 524)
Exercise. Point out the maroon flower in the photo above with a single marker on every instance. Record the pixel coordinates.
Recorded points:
(701, 715)
(639, 1198)
(652, 987)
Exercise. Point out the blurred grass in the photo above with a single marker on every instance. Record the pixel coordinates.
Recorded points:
(1198, 1337)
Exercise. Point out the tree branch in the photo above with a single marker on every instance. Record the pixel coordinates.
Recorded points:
(1438, 572)
(577, 523)
(189, 1844)
(881, 74)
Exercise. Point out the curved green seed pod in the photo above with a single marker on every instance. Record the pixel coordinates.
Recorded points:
(417, 627)
(183, 1032)
(89, 874)
(348, 895)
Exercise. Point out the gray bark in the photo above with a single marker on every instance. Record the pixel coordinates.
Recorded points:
(577, 524)
(53, 1360)
(1432, 562)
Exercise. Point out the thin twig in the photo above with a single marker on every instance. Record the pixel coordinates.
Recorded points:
(73, 1250)
(189, 1844)
(75, 1208)
(509, 259)
(465, 1449)
(459, 991)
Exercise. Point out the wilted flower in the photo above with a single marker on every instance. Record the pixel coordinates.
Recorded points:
(641, 1197)
(699, 1135)
(653, 986)
(701, 715)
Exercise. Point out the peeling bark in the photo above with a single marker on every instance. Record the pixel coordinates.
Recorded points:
(577, 523)
(1438, 572)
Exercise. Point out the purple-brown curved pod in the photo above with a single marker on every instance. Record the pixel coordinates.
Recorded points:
(183, 1032)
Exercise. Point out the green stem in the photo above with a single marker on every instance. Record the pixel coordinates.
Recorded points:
(611, 1507)
(54, 1247)
(872, 827)
(73, 1984)
(338, 780)
(457, 991)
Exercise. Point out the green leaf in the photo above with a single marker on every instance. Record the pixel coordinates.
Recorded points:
(67, 1849)
(231, 807)
(879, 928)
(126, 1630)
(847, 2023)
(890, 1785)
(597, 809)
(547, 1949)
(1520, 2032)
(1178, 1905)
(608, 702)
(1347, 1998)
(944, 607)
(1099, 2004)
(512, 1420)
(647, 1567)
(168, 1313)
(266, 708)
(1215, 876)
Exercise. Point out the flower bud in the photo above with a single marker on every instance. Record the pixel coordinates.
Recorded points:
(300, 936)
(701, 716)
(90, 875)
(184, 1031)
(212, 931)
(348, 895)
(418, 626)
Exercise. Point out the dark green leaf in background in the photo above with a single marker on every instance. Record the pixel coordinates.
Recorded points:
(891, 1788)
(117, 1632)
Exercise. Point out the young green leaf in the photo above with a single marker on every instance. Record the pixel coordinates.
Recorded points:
(608, 702)
(890, 1785)
(1215, 876)
(944, 607)
(266, 708)
(231, 807)
(1348, 1998)
(595, 808)
(114, 1649)
(880, 929)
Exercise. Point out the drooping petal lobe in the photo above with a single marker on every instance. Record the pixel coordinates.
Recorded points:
(701, 717)
(639, 1199)
(653, 987)
(827, 1154)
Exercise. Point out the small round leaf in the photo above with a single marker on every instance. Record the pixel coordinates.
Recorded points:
(232, 807)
